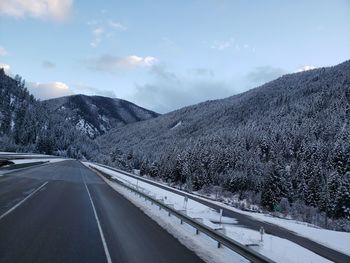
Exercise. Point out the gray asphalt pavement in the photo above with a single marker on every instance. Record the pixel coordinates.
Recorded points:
(58, 223)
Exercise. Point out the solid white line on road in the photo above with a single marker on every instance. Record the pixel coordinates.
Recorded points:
(108, 256)
(21, 202)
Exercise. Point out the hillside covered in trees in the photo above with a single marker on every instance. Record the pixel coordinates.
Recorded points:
(26, 125)
(64, 126)
(96, 115)
(284, 145)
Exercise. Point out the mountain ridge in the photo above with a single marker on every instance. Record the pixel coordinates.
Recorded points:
(63, 126)
(283, 145)
(96, 115)
(290, 133)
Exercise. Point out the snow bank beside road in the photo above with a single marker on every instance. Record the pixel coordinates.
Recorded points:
(334, 239)
(19, 164)
(51, 160)
(24, 154)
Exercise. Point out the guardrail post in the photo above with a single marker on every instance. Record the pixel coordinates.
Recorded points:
(262, 231)
(197, 231)
(185, 202)
(219, 245)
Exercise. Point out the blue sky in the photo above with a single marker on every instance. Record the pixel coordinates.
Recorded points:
(164, 54)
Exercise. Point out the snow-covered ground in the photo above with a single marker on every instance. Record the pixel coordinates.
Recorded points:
(275, 248)
(24, 154)
(278, 249)
(34, 160)
(334, 239)
(51, 160)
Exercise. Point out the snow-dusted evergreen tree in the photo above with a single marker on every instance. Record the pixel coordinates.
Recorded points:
(342, 208)
(272, 191)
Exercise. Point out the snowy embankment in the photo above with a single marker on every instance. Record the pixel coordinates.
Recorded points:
(334, 239)
(28, 161)
(34, 160)
(278, 249)
(24, 154)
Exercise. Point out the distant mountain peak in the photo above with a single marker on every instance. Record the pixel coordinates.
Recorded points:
(95, 115)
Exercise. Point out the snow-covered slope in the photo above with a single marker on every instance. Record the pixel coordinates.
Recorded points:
(95, 115)
(282, 145)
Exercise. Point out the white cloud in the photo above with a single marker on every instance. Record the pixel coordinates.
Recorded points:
(112, 64)
(232, 44)
(306, 68)
(50, 9)
(3, 51)
(6, 68)
(98, 34)
(102, 29)
(117, 25)
(139, 61)
(45, 91)
(221, 45)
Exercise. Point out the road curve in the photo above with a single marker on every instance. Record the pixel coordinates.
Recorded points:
(77, 217)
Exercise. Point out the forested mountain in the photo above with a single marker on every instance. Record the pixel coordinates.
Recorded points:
(285, 142)
(26, 125)
(95, 115)
(14, 99)
(64, 126)
(284, 145)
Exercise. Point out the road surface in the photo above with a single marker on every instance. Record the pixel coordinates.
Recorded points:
(63, 212)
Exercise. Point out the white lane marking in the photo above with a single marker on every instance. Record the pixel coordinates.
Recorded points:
(21, 202)
(108, 256)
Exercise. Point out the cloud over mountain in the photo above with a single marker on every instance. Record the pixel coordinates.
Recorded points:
(49, 9)
(112, 64)
(50, 90)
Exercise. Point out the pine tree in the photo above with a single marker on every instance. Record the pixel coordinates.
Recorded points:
(342, 209)
(272, 190)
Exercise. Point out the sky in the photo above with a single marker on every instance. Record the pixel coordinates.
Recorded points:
(162, 54)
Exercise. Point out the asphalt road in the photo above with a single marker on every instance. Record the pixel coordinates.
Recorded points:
(251, 223)
(65, 213)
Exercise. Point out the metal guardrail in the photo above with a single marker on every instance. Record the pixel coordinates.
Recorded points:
(165, 187)
(20, 156)
(20, 166)
(240, 249)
